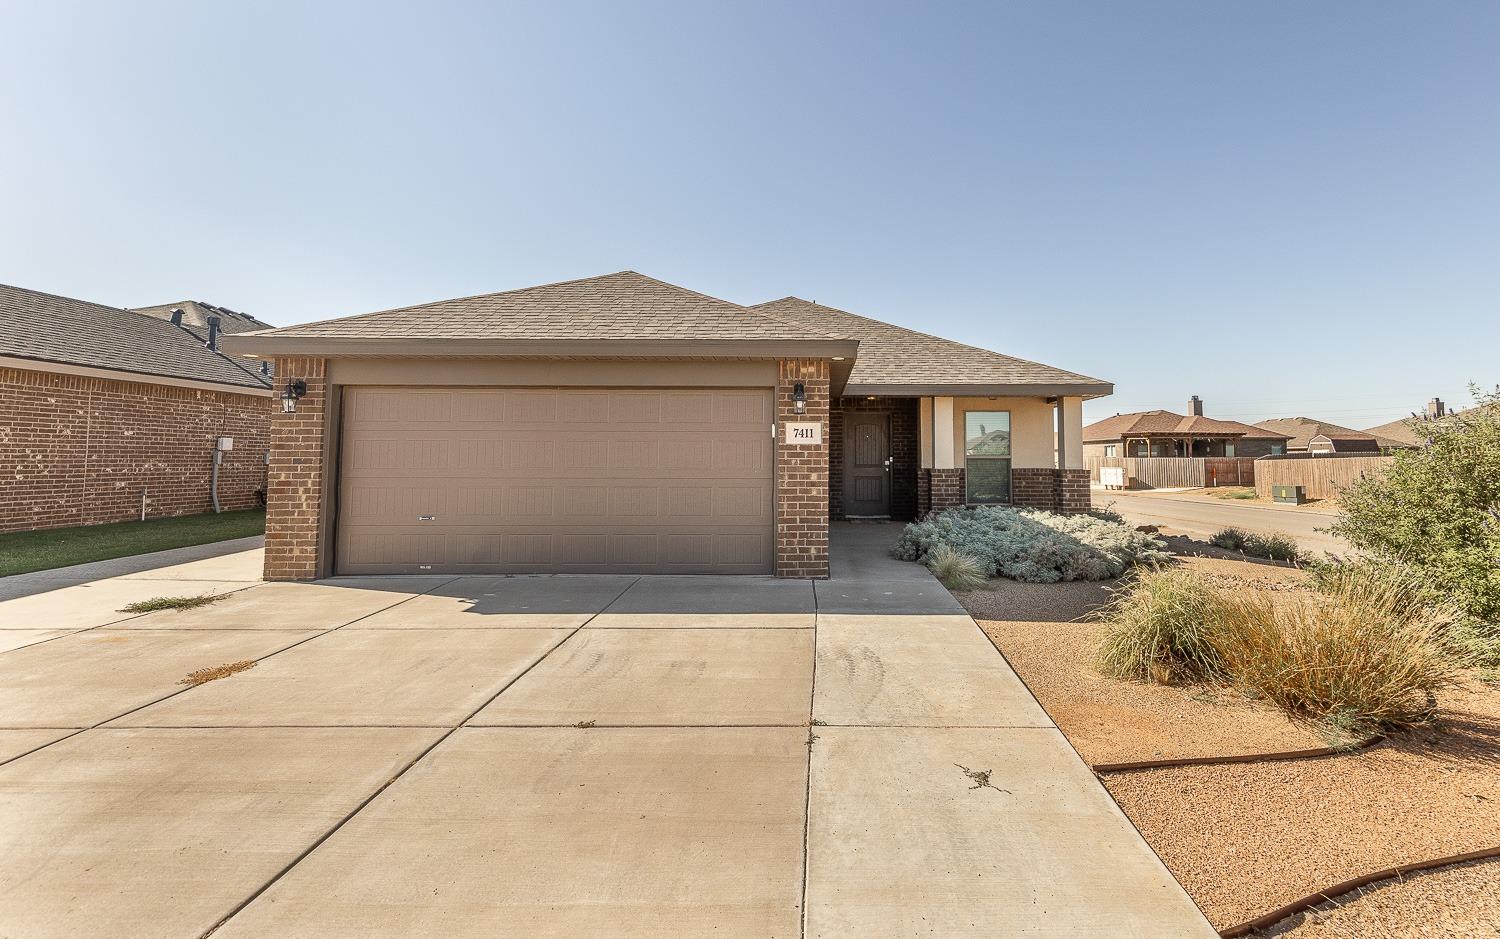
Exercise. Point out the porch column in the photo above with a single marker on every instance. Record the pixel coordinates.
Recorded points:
(924, 456)
(1069, 433)
(947, 468)
(943, 456)
(1072, 493)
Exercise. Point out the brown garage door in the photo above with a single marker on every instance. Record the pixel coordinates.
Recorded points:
(572, 480)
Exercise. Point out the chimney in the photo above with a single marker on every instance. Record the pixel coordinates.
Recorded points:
(213, 333)
(176, 317)
(1435, 409)
(1195, 406)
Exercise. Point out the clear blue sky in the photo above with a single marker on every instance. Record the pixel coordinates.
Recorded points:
(1287, 208)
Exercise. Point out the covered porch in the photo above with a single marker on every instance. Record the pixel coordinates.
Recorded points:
(1180, 445)
(902, 456)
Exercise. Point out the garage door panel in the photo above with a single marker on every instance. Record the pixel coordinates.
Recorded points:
(567, 480)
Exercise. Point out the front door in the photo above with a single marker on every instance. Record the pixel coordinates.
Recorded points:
(867, 464)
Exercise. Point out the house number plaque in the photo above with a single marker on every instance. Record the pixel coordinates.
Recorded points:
(805, 433)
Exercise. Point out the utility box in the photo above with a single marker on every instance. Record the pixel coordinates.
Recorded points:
(1294, 495)
(226, 443)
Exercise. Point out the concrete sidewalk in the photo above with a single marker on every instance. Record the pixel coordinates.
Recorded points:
(551, 756)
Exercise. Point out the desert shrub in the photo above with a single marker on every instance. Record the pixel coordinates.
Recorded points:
(1276, 546)
(956, 571)
(1031, 546)
(1230, 539)
(1361, 654)
(1161, 629)
(1405, 591)
(1437, 510)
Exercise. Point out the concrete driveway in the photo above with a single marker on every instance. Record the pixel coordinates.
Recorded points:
(546, 756)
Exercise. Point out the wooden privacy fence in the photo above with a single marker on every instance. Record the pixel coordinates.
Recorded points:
(1229, 471)
(1177, 472)
(1320, 477)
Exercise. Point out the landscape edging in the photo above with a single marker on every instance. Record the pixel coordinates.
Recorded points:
(1311, 900)
(1236, 758)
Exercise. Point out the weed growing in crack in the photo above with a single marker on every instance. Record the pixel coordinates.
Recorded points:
(980, 778)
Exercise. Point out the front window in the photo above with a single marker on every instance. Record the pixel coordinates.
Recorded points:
(1109, 449)
(987, 456)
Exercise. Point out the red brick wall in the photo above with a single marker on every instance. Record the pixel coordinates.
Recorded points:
(76, 450)
(1051, 489)
(295, 479)
(904, 455)
(947, 488)
(802, 474)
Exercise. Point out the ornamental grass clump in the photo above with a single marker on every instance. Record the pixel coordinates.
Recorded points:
(1363, 653)
(1275, 546)
(1031, 546)
(1161, 629)
(954, 570)
(1230, 539)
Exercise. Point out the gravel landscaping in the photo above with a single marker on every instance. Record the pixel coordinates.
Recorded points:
(1039, 629)
(1459, 902)
(1246, 838)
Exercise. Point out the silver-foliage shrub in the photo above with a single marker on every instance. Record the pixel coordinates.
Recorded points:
(1032, 546)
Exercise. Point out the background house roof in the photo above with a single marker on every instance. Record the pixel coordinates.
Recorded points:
(1168, 424)
(195, 313)
(626, 305)
(1299, 430)
(49, 328)
(892, 357)
(1398, 433)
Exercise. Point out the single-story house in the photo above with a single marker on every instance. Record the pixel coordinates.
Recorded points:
(109, 415)
(623, 424)
(1306, 435)
(1159, 433)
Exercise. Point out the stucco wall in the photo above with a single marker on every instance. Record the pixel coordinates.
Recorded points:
(1031, 428)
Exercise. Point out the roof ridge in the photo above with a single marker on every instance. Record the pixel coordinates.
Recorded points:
(58, 296)
(472, 296)
(915, 332)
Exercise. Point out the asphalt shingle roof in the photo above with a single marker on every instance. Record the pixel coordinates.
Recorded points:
(49, 328)
(626, 305)
(1159, 423)
(1299, 430)
(195, 313)
(896, 356)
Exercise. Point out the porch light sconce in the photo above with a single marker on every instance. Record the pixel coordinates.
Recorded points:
(799, 397)
(295, 388)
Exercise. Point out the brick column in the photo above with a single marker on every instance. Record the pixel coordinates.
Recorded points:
(1073, 493)
(802, 473)
(294, 480)
(947, 488)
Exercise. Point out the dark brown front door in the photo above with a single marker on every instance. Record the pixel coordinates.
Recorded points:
(867, 463)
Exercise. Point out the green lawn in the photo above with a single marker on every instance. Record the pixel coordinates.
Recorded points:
(24, 551)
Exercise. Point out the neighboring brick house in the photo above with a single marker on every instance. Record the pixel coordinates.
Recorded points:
(109, 415)
(623, 424)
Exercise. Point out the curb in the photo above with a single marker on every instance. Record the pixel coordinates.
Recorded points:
(1297, 906)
